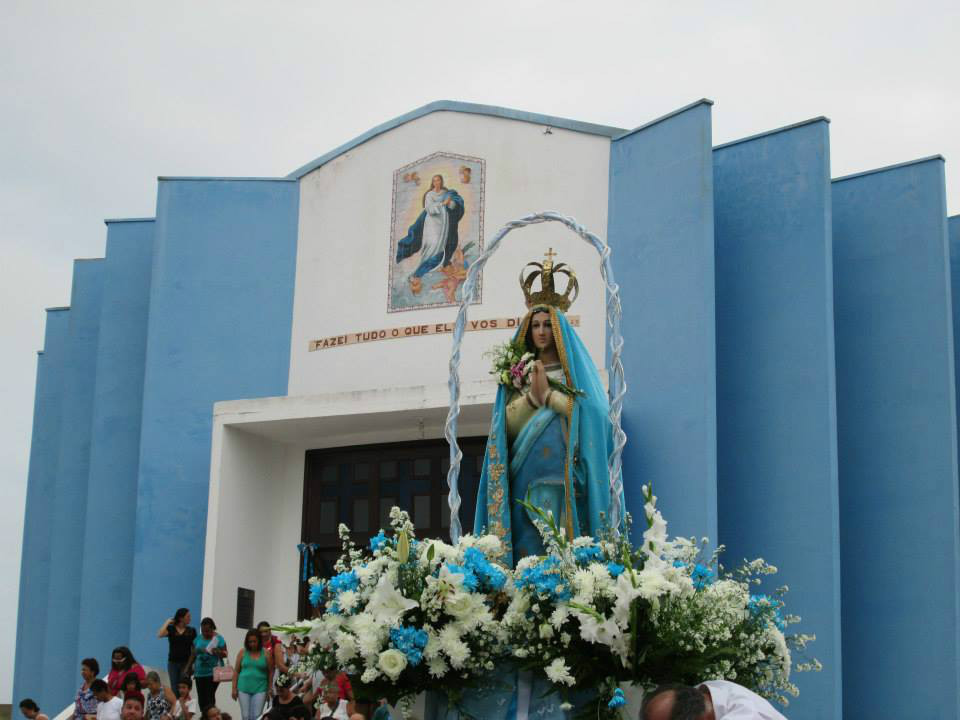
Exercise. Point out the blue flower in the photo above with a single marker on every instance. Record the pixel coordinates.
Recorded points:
(490, 577)
(410, 641)
(679, 564)
(470, 581)
(760, 605)
(545, 579)
(316, 593)
(344, 581)
(615, 569)
(618, 699)
(378, 541)
(587, 555)
(702, 576)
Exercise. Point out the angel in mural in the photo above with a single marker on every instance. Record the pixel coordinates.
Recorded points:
(434, 235)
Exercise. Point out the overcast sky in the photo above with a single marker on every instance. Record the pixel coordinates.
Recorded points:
(99, 98)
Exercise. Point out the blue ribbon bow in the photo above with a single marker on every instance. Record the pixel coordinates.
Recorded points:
(306, 559)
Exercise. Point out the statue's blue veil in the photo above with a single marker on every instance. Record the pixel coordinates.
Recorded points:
(589, 443)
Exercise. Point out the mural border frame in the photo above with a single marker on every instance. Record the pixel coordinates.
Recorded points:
(393, 219)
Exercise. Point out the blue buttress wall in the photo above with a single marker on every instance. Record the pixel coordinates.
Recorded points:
(897, 436)
(115, 441)
(38, 515)
(660, 229)
(776, 411)
(70, 489)
(953, 239)
(221, 308)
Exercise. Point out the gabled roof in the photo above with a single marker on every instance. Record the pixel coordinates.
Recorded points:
(462, 107)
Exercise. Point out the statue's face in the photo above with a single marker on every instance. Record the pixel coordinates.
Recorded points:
(437, 182)
(541, 330)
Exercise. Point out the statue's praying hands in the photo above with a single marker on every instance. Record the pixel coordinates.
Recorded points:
(539, 384)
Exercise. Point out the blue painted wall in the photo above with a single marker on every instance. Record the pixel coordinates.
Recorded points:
(776, 416)
(38, 516)
(115, 441)
(897, 440)
(221, 308)
(69, 494)
(660, 229)
(953, 239)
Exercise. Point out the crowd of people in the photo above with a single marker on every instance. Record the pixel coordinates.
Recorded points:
(261, 677)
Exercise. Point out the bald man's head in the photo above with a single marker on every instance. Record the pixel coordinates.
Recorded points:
(675, 702)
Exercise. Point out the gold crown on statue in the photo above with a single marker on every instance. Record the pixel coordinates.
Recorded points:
(548, 295)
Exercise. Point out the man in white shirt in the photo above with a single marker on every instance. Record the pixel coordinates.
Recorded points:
(108, 707)
(711, 700)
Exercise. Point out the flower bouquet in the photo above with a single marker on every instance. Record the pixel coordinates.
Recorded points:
(512, 363)
(600, 613)
(406, 616)
(575, 611)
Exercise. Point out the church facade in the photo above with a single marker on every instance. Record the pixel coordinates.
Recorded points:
(268, 357)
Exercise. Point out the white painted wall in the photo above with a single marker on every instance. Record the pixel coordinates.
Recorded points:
(343, 253)
(253, 528)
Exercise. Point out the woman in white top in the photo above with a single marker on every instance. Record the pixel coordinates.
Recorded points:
(333, 707)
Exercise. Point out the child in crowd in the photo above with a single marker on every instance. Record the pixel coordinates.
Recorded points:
(187, 705)
(109, 706)
(30, 710)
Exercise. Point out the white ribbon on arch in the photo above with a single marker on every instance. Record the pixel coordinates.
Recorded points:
(617, 389)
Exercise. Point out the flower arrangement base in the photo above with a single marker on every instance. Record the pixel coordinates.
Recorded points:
(511, 695)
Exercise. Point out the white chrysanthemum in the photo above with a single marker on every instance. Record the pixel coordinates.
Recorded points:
(559, 616)
(347, 600)
(653, 584)
(432, 649)
(466, 541)
(437, 667)
(458, 653)
(583, 541)
(346, 645)
(370, 635)
(392, 662)
(449, 636)
(490, 545)
(603, 584)
(583, 584)
(370, 674)
(526, 562)
(558, 672)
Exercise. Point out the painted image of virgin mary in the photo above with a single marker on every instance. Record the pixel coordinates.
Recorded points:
(434, 233)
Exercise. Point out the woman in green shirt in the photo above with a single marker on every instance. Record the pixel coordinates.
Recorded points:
(252, 676)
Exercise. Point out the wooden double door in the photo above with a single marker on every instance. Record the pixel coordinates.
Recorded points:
(357, 486)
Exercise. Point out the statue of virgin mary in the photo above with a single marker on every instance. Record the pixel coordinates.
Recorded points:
(550, 438)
